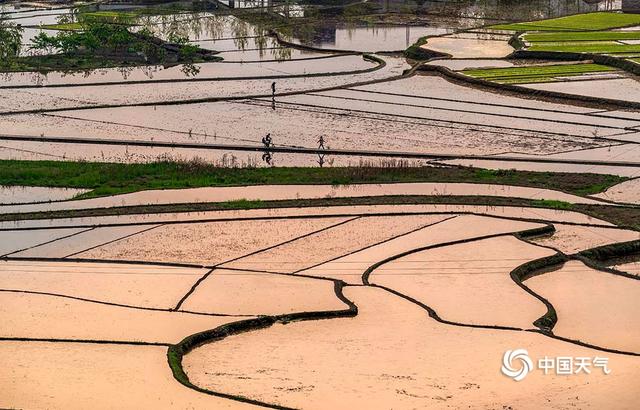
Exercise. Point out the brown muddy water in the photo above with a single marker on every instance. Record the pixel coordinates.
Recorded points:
(125, 284)
(418, 362)
(27, 194)
(206, 243)
(628, 192)
(476, 273)
(573, 238)
(607, 317)
(470, 47)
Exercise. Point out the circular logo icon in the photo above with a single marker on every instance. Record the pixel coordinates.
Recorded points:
(520, 370)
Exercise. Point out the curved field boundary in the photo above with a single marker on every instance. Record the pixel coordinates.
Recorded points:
(589, 257)
(176, 352)
(284, 60)
(548, 229)
(538, 267)
(596, 258)
(519, 91)
(378, 61)
(375, 244)
(304, 47)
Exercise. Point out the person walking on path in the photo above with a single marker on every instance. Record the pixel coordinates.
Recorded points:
(273, 95)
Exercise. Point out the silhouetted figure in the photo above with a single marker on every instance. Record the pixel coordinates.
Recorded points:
(273, 95)
(268, 143)
(321, 154)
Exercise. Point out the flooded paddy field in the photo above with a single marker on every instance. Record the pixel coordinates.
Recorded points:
(576, 318)
(107, 298)
(292, 222)
(573, 238)
(625, 89)
(30, 194)
(404, 379)
(284, 192)
(382, 116)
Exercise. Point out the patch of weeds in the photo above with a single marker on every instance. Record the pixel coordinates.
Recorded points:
(552, 203)
(416, 52)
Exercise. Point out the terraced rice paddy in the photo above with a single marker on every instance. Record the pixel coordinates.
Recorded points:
(154, 305)
(604, 33)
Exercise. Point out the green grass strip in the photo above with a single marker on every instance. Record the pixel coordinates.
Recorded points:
(568, 36)
(535, 74)
(578, 22)
(601, 47)
(532, 71)
(110, 178)
(525, 80)
(62, 27)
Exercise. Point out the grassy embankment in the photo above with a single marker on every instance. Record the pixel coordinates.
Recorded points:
(109, 178)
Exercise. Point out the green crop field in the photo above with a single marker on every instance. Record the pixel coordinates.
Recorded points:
(578, 22)
(599, 47)
(575, 36)
(535, 74)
